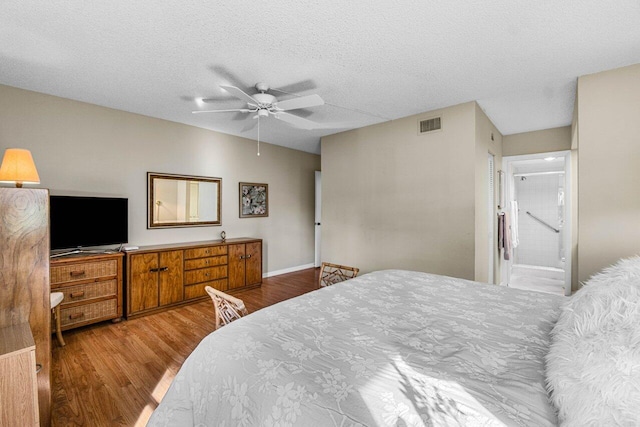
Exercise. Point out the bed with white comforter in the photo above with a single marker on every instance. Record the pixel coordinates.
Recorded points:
(391, 347)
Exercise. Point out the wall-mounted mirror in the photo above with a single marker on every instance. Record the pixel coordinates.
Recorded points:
(183, 200)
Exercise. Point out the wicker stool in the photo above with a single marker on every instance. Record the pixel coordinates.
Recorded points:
(56, 299)
(226, 308)
(334, 273)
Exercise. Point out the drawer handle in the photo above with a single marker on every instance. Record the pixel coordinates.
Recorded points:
(164, 269)
(248, 256)
(38, 368)
(77, 294)
(154, 270)
(206, 262)
(76, 273)
(76, 316)
(207, 251)
(206, 274)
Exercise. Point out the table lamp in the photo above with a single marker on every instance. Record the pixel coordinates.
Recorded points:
(18, 167)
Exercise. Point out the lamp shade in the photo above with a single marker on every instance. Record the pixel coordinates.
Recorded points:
(17, 166)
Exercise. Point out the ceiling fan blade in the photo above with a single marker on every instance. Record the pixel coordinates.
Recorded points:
(250, 125)
(300, 102)
(297, 121)
(240, 94)
(239, 116)
(217, 100)
(235, 110)
(228, 76)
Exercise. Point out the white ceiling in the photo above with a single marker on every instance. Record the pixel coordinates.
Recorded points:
(518, 59)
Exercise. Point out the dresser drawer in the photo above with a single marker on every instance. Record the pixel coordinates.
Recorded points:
(82, 271)
(192, 264)
(195, 291)
(205, 274)
(205, 252)
(86, 313)
(88, 291)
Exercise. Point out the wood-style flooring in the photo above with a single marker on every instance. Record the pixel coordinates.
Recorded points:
(114, 374)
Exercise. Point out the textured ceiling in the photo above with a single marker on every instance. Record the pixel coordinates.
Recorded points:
(390, 59)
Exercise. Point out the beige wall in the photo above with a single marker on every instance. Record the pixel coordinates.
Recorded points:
(90, 150)
(540, 141)
(396, 199)
(609, 168)
(488, 140)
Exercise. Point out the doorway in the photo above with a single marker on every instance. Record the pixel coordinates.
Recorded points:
(318, 219)
(538, 203)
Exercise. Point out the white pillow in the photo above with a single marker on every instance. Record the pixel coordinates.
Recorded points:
(593, 365)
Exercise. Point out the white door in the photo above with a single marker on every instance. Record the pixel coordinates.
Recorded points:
(318, 258)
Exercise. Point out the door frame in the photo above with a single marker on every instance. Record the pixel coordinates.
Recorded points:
(318, 219)
(491, 184)
(507, 166)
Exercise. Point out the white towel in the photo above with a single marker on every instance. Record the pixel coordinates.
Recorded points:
(515, 240)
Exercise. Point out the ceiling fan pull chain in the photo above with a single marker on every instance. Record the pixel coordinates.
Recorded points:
(258, 136)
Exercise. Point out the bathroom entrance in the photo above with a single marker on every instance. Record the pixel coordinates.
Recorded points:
(537, 189)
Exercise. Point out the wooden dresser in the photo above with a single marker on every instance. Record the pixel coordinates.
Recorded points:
(24, 280)
(92, 288)
(18, 382)
(165, 276)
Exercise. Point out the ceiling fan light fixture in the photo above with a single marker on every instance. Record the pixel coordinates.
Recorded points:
(264, 99)
(263, 113)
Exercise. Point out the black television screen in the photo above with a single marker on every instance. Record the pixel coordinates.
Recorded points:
(88, 221)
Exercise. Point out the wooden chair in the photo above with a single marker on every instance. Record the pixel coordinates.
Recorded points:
(227, 308)
(334, 273)
(56, 298)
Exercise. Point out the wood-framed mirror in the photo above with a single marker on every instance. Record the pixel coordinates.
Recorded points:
(183, 200)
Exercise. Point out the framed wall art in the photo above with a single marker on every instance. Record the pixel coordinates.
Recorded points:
(254, 200)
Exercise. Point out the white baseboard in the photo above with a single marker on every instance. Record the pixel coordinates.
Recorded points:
(288, 270)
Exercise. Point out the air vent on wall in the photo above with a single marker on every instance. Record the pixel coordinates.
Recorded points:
(429, 125)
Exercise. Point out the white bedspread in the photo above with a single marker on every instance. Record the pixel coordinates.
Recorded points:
(388, 348)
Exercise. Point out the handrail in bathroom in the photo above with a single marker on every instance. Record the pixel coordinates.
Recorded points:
(542, 222)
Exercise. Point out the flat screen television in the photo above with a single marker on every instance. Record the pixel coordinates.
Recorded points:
(88, 221)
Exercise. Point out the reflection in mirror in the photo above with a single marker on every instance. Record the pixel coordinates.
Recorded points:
(183, 200)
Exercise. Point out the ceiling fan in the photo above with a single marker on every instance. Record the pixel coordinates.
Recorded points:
(265, 105)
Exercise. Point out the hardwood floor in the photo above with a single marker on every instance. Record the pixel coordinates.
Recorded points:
(115, 374)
